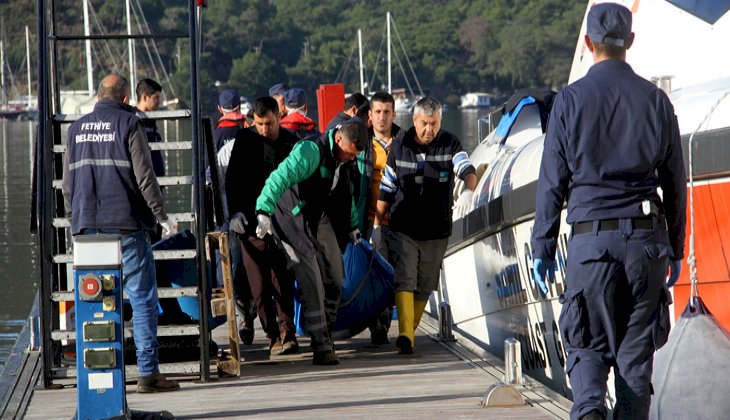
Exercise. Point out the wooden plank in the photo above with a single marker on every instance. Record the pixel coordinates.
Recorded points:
(230, 362)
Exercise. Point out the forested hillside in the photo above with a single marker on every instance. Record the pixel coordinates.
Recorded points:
(454, 46)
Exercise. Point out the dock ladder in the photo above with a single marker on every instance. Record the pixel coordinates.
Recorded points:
(54, 239)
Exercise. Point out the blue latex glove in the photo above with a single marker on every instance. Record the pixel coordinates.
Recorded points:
(675, 267)
(543, 270)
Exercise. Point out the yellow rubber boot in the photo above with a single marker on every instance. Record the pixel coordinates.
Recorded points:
(418, 307)
(404, 304)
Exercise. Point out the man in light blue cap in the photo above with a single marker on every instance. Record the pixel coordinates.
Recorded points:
(612, 140)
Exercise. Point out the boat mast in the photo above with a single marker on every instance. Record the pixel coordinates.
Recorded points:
(87, 32)
(27, 60)
(362, 77)
(130, 47)
(387, 25)
(4, 97)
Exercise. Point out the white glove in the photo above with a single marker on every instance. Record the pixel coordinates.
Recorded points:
(264, 225)
(355, 236)
(169, 227)
(375, 237)
(238, 223)
(464, 204)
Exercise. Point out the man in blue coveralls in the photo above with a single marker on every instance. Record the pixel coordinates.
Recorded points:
(611, 140)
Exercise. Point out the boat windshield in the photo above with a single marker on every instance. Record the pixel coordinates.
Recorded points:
(708, 10)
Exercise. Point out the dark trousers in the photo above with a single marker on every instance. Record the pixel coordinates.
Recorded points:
(320, 278)
(245, 306)
(386, 248)
(272, 285)
(418, 265)
(615, 314)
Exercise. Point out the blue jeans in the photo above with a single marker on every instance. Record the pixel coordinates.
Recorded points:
(140, 283)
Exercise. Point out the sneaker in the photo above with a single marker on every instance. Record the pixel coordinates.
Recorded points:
(246, 332)
(404, 345)
(289, 341)
(155, 383)
(276, 348)
(379, 336)
(325, 357)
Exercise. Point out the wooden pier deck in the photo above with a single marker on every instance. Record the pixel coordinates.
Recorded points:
(441, 380)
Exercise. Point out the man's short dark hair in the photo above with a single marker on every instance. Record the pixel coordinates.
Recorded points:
(363, 112)
(357, 100)
(116, 91)
(147, 87)
(383, 97)
(264, 105)
(610, 51)
(356, 132)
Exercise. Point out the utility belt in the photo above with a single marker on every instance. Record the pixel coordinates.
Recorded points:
(643, 222)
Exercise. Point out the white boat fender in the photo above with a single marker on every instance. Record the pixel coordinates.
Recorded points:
(692, 371)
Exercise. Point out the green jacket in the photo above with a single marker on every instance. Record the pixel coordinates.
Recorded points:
(301, 190)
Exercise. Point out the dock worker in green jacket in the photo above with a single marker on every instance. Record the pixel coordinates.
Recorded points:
(298, 195)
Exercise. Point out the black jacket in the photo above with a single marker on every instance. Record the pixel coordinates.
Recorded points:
(420, 189)
(253, 158)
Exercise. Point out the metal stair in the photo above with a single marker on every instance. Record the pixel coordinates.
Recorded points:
(54, 239)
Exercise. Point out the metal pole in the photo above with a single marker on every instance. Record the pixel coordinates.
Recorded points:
(27, 60)
(362, 76)
(445, 323)
(130, 47)
(198, 201)
(52, 48)
(512, 362)
(4, 97)
(387, 25)
(44, 194)
(87, 32)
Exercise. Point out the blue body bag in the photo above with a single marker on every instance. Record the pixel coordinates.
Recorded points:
(368, 289)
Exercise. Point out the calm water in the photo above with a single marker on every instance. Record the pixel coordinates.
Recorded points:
(18, 252)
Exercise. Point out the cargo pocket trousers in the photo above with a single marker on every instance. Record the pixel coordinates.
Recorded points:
(615, 314)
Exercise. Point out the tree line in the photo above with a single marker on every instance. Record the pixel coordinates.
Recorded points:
(454, 46)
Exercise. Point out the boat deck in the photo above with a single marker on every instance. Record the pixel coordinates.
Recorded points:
(441, 380)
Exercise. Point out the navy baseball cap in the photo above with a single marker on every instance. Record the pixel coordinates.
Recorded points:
(295, 98)
(278, 89)
(609, 24)
(229, 99)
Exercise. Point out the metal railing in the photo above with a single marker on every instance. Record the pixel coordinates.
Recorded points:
(50, 223)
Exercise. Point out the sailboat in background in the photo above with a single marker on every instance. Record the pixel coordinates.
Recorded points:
(82, 102)
(405, 99)
(24, 107)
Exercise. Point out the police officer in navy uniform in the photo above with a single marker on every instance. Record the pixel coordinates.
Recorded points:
(110, 186)
(612, 141)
